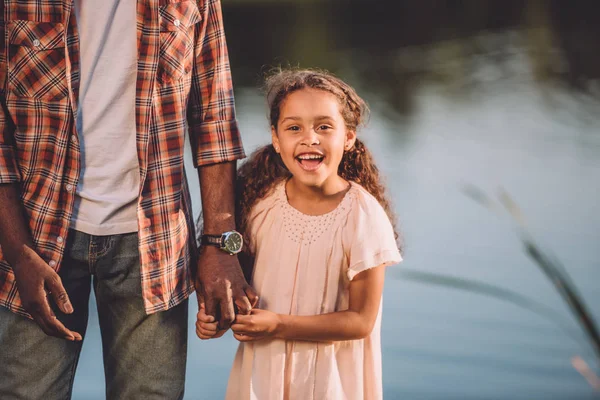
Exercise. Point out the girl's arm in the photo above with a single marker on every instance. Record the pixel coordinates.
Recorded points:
(355, 323)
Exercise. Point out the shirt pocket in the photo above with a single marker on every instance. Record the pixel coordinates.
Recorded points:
(37, 60)
(177, 21)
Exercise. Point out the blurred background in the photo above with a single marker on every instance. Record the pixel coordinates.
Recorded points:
(485, 122)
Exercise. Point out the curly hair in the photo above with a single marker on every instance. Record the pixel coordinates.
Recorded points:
(264, 169)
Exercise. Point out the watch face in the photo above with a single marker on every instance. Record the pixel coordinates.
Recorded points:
(233, 242)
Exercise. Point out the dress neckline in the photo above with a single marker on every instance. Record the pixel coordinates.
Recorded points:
(341, 205)
(307, 229)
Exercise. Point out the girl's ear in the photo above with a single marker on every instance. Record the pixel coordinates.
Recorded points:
(275, 139)
(350, 139)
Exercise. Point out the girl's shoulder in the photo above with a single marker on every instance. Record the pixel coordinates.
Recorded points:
(369, 239)
(364, 202)
(273, 197)
(367, 216)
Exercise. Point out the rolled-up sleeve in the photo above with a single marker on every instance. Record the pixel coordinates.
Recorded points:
(212, 124)
(9, 171)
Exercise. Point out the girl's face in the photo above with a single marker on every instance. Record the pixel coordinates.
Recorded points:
(311, 136)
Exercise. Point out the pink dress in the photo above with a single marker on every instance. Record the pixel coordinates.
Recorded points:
(303, 266)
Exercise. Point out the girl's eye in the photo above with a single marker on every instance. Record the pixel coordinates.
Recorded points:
(293, 128)
(324, 127)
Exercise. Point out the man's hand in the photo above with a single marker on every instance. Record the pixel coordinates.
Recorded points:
(36, 281)
(221, 284)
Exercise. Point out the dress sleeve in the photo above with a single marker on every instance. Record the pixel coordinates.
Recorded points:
(371, 240)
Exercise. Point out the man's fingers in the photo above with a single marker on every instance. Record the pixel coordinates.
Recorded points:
(58, 329)
(210, 306)
(51, 326)
(59, 294)
(219, 333)
(243, 304)
(252, 295)
(40, 322)
(200, 295)
(227, 313)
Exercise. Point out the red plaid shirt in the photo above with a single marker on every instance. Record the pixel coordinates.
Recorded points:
(183, 81)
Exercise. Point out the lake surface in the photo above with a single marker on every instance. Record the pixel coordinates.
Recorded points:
(493, 126)
(440, 343)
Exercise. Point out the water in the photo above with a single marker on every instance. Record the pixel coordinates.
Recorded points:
(441, 343)
(496, 126)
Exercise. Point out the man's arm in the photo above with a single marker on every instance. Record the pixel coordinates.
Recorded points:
(33, 276)
(221, 280)
(216, 145)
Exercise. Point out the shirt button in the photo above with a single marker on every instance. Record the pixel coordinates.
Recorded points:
(60, 239)
(73, 138)
(36, 43)
(52, 263)
(69, 188)
(177, 22)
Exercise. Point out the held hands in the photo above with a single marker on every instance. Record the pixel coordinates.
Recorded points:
(221, 287)
(260, 324)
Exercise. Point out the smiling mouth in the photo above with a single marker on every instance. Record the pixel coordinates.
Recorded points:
(310, 161)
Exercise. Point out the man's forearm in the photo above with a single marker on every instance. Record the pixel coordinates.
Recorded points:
(217, 186)
(14, 233)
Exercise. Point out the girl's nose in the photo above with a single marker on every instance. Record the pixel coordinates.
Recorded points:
(310, 138)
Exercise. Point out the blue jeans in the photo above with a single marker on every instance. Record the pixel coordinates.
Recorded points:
(144, 355)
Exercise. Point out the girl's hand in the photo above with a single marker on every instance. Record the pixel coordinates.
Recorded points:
(260, 324)
(206, 326)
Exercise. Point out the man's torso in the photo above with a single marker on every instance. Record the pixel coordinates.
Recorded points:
(107, 192)
(182, 75)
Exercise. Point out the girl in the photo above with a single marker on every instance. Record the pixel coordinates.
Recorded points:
(318, 230)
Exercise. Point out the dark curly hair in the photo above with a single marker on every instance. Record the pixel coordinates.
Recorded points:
(264, 169)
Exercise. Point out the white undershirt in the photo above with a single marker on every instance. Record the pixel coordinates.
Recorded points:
(107, 192)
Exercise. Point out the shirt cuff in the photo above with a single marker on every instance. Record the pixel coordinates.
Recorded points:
(216, 142)
(9, 171)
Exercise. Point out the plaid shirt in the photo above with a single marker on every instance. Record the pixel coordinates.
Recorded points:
(183, 81)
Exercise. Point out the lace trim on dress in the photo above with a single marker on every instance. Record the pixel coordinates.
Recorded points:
(306, 229)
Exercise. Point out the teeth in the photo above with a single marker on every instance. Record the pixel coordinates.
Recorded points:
(310, 157)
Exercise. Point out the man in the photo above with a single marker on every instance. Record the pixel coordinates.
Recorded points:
(95, 97)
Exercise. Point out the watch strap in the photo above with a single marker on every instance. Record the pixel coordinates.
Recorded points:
(213, 240)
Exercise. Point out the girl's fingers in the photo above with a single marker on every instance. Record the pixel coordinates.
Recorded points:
(239, 328)
(203, 317)
(203, 337)
(209, 333)
(205, 332)
(206, 326)
(244, 338)
(240, 319)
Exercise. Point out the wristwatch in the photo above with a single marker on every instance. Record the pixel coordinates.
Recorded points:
(230, 242)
